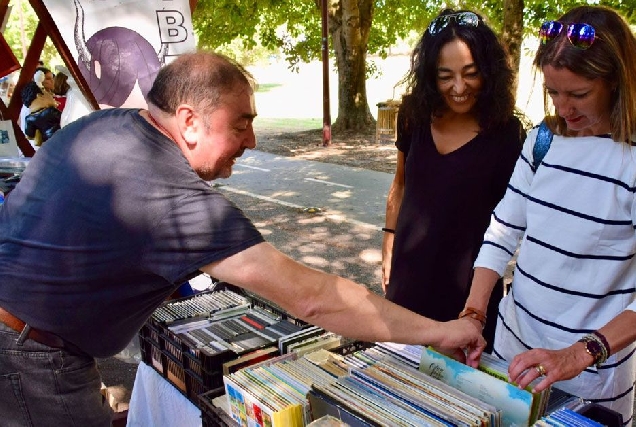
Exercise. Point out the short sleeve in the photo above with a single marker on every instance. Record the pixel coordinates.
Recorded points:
(199, 229)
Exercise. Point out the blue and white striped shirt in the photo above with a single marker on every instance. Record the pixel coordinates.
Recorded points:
(576, 268)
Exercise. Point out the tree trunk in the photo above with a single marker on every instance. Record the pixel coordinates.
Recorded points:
(349, 26)
(512, 35)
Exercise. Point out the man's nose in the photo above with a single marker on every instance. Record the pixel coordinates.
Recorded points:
(250, 140)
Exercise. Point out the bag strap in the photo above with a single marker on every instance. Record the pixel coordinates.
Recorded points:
(541, 145)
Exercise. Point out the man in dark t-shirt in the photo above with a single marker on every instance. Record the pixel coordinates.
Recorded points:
(115, 212)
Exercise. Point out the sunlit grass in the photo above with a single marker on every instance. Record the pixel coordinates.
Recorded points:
(287, 124)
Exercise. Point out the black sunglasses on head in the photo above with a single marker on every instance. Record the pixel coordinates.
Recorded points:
(469, 19)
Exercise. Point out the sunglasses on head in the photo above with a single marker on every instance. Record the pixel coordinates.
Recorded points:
(461, 18)
(580, 35)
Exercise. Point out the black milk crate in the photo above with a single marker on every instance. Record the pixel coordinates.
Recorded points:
(151, 331)
(163, 340)
(194, 386)
(208, 366)
(172, 360)
(192, 369)
(173, 370)
(175, 373)
(151, 354)
(154, 343)
(163, 362)
(212, 415)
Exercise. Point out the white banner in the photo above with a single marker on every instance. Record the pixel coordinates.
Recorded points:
(119, 45)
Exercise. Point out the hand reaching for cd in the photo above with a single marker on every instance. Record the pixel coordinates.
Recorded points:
(461, 339)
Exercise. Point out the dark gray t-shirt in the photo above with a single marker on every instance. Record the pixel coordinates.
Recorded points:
(107, 220)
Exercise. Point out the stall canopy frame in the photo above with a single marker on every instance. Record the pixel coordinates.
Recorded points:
(45, 28)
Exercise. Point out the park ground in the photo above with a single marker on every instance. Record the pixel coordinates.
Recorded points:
(290, 111)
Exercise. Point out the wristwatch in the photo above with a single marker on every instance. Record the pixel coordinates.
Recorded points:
(594, 349)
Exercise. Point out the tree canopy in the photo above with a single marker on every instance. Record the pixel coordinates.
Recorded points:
(359, 28)
(294, 26)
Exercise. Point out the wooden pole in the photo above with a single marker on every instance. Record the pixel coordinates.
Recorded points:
(326, 111)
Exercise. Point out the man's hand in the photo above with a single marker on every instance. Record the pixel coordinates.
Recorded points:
(462, 340)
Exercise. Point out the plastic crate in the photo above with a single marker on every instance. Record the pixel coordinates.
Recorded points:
(151, 354)
(189, 383)
(175, 373)
(211, 415)
(208, 367)
(163, 361)
(163, 340)
(150, 331)
(192, 370)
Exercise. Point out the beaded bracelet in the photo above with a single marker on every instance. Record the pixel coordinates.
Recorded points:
(388, 230)
(601, 337)
(596, 348)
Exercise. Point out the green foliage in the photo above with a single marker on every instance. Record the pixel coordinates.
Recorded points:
(13, 31)
(289, 27)
(19, 44)
(247, 56)
(252, 30)
(293, 27)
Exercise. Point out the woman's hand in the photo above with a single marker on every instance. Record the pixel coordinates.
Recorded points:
(462, 340)
(552, 365)
(387, 252)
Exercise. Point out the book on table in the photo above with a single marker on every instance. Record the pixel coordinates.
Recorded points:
(519, 407)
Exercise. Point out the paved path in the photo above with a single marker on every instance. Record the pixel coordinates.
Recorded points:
(353, 195)
(342, 236)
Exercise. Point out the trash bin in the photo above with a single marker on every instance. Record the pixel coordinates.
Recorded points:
(386, 125)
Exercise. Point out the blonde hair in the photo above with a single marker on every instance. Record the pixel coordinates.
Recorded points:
(612, 57)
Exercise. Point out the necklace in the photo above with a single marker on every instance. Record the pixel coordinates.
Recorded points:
(161, 127)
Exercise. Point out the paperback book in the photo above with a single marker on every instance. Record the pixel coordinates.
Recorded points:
(518, 407)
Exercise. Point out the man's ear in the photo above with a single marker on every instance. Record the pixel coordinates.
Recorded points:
(189, 123)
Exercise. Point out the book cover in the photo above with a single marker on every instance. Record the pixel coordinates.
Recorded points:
(515, 404)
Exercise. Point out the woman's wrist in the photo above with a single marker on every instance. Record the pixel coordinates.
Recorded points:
(597, 347)
(474, 313)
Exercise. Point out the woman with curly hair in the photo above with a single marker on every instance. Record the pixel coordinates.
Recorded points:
(458, 141)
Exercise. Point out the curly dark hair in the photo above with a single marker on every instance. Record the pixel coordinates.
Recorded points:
(496, 99)
(30, 91)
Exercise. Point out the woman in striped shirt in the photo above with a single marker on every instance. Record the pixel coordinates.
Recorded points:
(570, 315)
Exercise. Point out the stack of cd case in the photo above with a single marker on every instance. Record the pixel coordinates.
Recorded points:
(192, 342)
